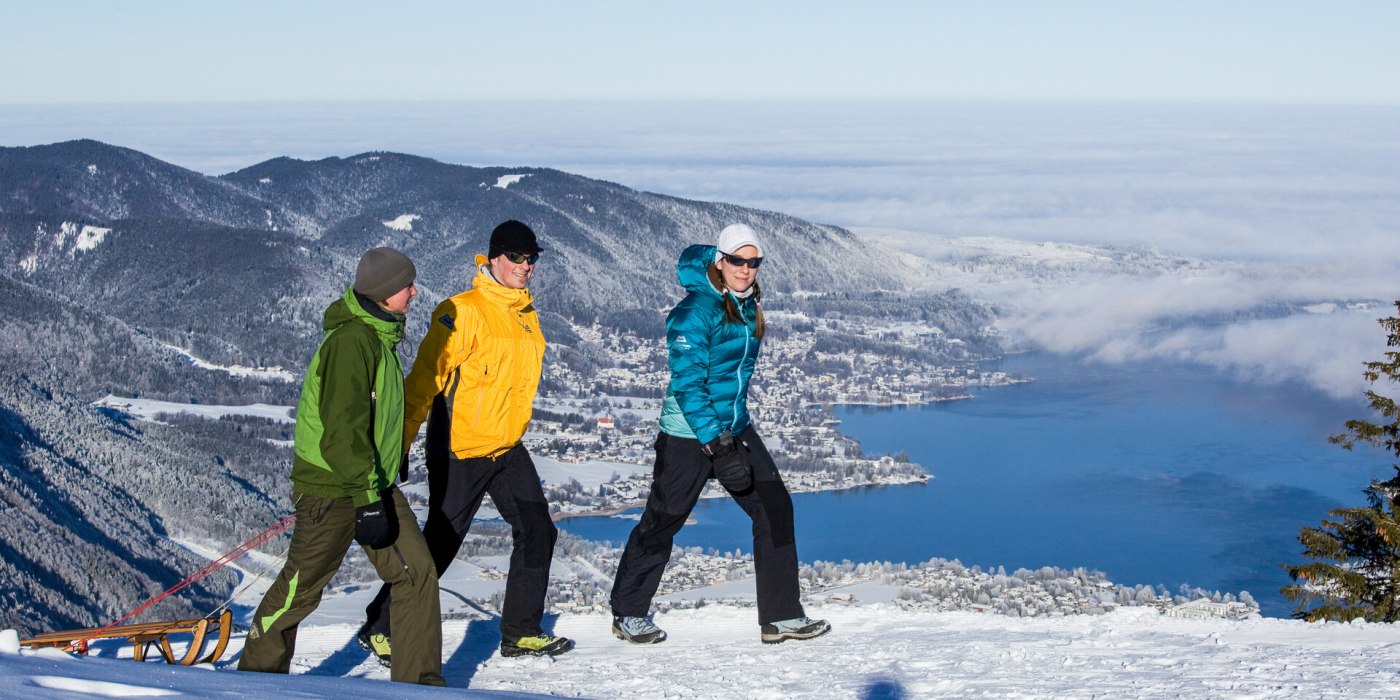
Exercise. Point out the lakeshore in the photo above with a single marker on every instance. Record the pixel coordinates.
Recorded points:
(1143, 472)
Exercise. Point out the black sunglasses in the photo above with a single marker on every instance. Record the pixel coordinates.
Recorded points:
(743, 262)
(521, 258)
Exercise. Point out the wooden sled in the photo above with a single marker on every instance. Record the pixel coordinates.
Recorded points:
(146, 635)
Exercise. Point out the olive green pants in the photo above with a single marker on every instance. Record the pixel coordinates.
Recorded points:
(324, 529)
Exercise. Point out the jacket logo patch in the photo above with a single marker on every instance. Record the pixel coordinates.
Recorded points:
(447, 321)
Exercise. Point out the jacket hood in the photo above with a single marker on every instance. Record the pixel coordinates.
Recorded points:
(691, 267)
(347, 308)
(485, 284)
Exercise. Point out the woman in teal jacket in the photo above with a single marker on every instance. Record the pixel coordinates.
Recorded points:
(713, 337)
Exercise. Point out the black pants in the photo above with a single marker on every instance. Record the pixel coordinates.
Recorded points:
(455, 488)
(677, 479)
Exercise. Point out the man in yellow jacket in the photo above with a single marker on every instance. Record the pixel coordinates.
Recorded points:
(474, 381)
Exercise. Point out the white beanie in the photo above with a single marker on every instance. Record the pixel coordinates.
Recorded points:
(734, 237)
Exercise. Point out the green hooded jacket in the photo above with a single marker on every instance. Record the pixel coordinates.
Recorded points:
(349, 434)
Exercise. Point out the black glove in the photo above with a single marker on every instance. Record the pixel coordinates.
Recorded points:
(374, 529)
(403, 469)
(727, 458)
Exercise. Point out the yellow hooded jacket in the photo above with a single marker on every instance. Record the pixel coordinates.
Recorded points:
(483, 354)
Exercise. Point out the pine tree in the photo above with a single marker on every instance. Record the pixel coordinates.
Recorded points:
(1356, 572)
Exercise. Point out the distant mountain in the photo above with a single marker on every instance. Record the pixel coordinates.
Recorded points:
(93, 182)
(119, 266)
(230, 266)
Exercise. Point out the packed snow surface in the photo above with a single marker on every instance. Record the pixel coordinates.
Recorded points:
(875, 650)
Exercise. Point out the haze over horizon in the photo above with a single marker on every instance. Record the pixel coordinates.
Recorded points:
(1249, 51)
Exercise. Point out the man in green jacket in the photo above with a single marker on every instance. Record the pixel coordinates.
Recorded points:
(349, 449)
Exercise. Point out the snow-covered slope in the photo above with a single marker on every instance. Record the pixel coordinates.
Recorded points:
(874, 651)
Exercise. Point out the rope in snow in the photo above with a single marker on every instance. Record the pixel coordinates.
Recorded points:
(203, 571)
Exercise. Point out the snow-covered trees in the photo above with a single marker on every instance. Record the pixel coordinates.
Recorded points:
(1356, 572)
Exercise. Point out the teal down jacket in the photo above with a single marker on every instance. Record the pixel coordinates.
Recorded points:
(711, 359)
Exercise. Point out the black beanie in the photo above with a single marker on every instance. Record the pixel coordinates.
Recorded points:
(513, 237)
(383, 272)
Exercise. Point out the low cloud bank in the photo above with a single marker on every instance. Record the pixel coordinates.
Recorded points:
(1260, 328)
(1323, 350)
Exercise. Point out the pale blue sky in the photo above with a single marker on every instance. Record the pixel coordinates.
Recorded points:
(1280, 51)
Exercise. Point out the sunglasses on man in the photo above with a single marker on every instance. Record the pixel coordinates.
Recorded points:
(521, 258)
(737, 261)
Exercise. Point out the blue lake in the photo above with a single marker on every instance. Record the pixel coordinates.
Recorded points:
(1152, 474)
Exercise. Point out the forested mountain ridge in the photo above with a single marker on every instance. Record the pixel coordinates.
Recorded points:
(171, 250)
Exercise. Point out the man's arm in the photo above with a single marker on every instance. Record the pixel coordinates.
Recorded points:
(443, 349)
(348, 364)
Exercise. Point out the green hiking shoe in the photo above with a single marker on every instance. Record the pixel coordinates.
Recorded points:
(376, 644)
(538, 645)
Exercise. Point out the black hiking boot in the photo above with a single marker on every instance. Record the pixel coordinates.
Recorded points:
(796, 628)
(637, 630)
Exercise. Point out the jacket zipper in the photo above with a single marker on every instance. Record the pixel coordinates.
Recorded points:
(480, 396)
(739, 376)
(373, 406)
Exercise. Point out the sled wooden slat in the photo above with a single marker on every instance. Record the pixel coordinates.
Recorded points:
(146, 635)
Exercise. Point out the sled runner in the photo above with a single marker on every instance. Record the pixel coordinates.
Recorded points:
(145, 635)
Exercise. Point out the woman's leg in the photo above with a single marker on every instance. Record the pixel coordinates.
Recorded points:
(678, 477)
(769, 505)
